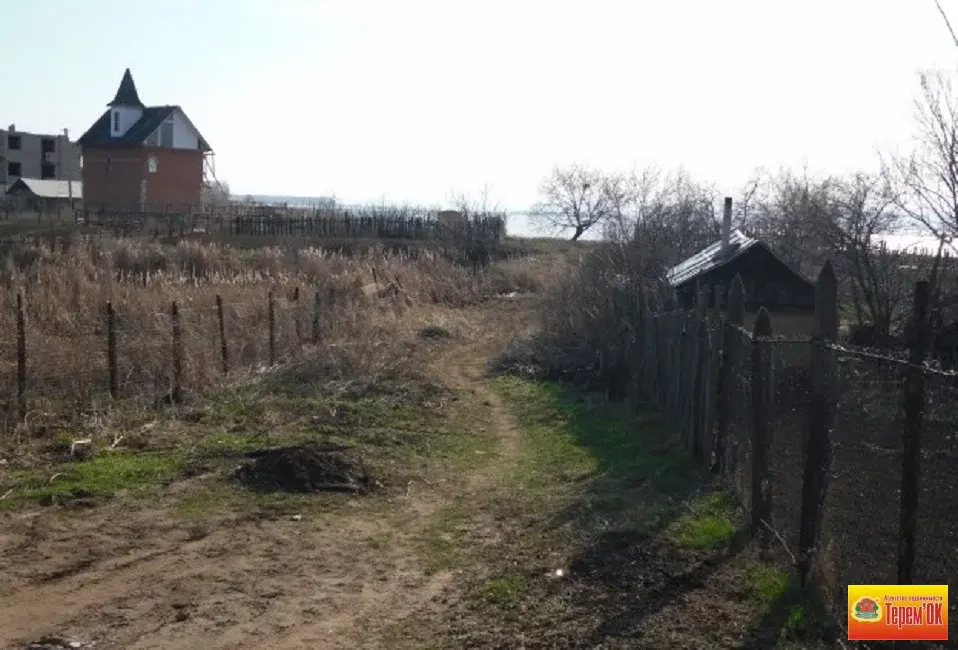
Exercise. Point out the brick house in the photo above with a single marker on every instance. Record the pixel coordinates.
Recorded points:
(142, 158)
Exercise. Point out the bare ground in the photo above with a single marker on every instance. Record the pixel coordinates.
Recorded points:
(135, 577)
(463, 556)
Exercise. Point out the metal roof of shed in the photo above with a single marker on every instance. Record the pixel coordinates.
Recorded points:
(710, 258)
(48, 188)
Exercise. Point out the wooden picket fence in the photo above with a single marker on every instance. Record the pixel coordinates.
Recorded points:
(762, 413)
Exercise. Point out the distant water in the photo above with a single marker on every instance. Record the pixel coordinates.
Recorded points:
(517, 222)
(519, 225)
(913, 242)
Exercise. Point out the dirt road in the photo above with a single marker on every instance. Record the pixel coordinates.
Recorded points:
(521, 514)
(135, 577)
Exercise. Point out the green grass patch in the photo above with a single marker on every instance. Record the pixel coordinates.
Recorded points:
(569, 436)
(776, 589)
(768, 584)
(225, 443)
(103, 475)
(504, 590)
(233, 414)
(708, 522)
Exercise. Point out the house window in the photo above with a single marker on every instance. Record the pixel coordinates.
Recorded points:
(48, 145)
(47, 171)
(13, 169)
(152, 164)
(13, 142)
(116, 121)
(166, 134)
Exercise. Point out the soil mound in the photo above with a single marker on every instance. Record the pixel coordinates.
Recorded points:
(56, 643)
(312, 467)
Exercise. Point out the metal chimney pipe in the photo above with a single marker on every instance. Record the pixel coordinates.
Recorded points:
(727, 223)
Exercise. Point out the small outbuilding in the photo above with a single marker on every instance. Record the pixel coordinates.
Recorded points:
(769, 282)
(45, 195)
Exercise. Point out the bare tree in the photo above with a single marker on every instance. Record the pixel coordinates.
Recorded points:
(749, 193)
(928, 179)
(631, 196)
(576, 198)
(658, 220)
(862, 208)
(782, 210)
(217, 193)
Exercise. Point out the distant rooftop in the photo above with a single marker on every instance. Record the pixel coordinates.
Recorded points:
(48, 189)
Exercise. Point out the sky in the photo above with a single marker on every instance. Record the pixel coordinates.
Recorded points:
(414, 101)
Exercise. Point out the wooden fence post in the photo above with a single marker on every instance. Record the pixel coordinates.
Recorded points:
(734, 319)
(656, 385)
(177, 392)
(911, 457)
(224, 356)
(698, 374)
(713, 348)
(679, 347)
(272, 329)
(761, 484)
(21, 360)
(317, 301)
(296, 324)
(818, 450)
(111, 350)
(641, 358)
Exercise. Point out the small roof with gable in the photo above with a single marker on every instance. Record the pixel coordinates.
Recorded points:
(47, 188)
(715, 256)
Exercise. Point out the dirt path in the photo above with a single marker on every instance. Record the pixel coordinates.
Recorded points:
(137, 579)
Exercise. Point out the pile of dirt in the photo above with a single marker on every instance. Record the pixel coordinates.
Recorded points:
(434, 333)
(312, 467)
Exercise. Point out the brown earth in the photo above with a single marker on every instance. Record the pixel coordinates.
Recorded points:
(137, 578)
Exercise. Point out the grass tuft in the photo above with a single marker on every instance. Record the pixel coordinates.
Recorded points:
(777, 593)
(504, 590)
(708, 523)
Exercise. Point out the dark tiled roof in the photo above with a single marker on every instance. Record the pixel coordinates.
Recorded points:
(153, 116)
(126, 94)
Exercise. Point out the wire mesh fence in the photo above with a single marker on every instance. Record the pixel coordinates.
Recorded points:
(814, 437)
(936, 561)
(49, 371)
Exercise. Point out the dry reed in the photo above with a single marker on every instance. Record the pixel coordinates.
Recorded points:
(65, 292)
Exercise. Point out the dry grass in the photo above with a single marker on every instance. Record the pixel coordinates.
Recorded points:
(583, 336)
(65, 292)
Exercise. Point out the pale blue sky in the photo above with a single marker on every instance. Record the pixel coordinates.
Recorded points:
(413, 100)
